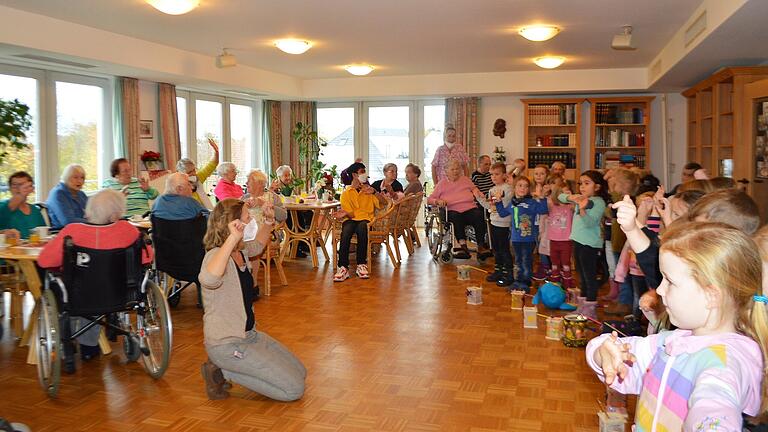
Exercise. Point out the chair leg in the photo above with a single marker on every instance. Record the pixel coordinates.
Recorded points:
(396, 242)
(17, 311)
(395, 262)
(267, 277)
(415, 234)
(280, 272)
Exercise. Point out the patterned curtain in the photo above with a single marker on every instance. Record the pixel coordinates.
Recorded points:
(130, 121)
(272, 136)
(170, 145)
(304, 112)
(461, 113)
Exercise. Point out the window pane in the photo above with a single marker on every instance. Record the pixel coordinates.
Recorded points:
(25, 90)
(181, 108)
(434, 122)
(388, 140)
(79, 109)
(337, 127)
(241, 139)
(208, 124)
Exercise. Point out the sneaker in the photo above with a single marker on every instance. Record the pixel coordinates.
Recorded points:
(462, 254)
(341, 275)
(362, 271)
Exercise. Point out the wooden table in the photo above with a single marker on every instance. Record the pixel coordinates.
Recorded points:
(143, 224)
(314, 235)
(25, 256)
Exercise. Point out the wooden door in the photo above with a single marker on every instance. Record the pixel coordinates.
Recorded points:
(753, 149)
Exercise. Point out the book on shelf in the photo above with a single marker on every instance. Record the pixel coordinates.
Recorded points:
(558, 140)
(549, 157)
(552, 115)
(617, 114)
(614, 159)
(616, 137)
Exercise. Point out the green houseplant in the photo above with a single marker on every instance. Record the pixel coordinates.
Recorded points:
(15, 121)
(310, 145)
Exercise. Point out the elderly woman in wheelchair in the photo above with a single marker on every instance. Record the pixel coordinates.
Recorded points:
(457, 193)
(236, 350)
(96, 269)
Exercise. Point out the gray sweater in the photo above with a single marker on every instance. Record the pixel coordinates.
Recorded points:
(496, 220)
(224, 317)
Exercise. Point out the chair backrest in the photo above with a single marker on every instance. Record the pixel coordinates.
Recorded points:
(100, 281)
(415, 208)
(383, 222)
(44, 211)
(404, 213)
(178, 244)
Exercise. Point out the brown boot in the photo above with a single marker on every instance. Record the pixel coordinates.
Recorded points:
(214, 381)
(619, 309)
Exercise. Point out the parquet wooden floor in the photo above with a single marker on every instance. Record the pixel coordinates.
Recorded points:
(399, 352)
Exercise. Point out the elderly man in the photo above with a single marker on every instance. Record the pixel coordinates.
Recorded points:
(177, 202)
(482, 175)
(198, 177)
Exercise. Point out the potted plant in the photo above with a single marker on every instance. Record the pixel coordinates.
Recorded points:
(15, 121)
(310, 145)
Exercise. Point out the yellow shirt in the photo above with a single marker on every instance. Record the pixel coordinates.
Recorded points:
(359, 204)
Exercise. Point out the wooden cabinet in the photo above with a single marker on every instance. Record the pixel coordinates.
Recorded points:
(716, 137)
(755, 148)
(620, 131)
(552, 132)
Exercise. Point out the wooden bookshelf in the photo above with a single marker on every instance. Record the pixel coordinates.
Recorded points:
(620, 132)
(552, 132)
(715, 111)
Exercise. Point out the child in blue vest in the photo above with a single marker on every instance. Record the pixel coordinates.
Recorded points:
(524, 230)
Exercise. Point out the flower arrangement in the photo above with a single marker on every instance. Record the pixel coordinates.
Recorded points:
(150, 156)
(499, 154)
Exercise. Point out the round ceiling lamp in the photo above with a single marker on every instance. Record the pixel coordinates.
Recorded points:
(174, 7)
(549, 62)
(539, 33)
(293, 46)
(359, 69)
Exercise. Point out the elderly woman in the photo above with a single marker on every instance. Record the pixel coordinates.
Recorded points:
(137, 191)
(198, 177)
(66, 201)
(236, 350)
(226, 187)
(458, 193)
(389, 184)
(446, 153)
(103, 230)
(284, 181)
(16, 212)
(414, 186)
(258, 195)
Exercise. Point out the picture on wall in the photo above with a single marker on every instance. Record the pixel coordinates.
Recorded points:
(145, 129)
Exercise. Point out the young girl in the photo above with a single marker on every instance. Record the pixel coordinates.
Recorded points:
(524, 210)
(540, 174)
(559, 233)
(587, 238)
(704, 375)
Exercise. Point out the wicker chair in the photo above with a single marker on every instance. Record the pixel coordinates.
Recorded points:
(411, 231)
(401, 225)
(273, 253)
(378, 233)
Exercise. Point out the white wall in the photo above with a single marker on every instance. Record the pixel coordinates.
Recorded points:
(148, 111)
(510, 108)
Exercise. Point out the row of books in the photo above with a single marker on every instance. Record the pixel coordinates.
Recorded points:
(548, 158)
(605, 137)
(559, 140)
(617, 114)
(615, 159)
(552, 115)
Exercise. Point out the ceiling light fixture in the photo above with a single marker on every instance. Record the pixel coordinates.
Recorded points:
(174, 7)
(359, 69)
(623, 42)
(225, 59)
(293, 46)
(539, 33)
(549, 62)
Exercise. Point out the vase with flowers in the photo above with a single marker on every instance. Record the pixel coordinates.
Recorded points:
(151, 160)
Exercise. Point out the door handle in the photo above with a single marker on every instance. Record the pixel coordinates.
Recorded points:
(743, 181)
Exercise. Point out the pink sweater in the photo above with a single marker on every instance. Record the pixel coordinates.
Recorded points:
(458, 194)
(226, 189)
(559, 221)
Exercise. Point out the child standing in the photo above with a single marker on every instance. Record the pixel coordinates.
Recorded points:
(540, 190)
(587, 236)
(499, 192)
(559, 233)
(709, 371)
(524, 210)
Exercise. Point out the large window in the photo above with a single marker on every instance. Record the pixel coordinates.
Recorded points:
(181, 109)
(70, 124)
(241, 139)
(434, 122)
(336, 125)
(389, 139)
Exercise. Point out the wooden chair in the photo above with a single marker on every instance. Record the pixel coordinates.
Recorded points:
(378, 233)
(12, 281)
(412, 232)
(401, 225)
(273, 253)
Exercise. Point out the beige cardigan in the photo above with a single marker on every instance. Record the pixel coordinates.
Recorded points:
(224, 317)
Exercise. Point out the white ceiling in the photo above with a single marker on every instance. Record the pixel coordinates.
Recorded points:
(400, 37)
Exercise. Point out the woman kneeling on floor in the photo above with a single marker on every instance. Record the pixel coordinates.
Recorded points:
(236, 350)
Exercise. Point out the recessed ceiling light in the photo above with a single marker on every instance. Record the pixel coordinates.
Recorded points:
(549, 62)
(359, 70)
(293, 46)
(539, 33)
(174, 7)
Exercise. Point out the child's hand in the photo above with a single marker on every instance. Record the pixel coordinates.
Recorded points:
(664, 209)
(613, 357)
(644, 208)
(626, 214)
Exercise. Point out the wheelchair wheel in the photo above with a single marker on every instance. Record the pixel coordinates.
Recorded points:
(48, 340)
(446, 257)
(433, 232)
(131, 347)
(155, 332)
(169, 284)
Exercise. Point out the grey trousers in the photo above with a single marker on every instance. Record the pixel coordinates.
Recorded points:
(262, 365)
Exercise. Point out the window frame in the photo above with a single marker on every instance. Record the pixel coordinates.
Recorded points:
(357, 119)
(412, 123)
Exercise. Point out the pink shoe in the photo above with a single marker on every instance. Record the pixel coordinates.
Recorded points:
(613, 294)
(362, 271)
(341, 275)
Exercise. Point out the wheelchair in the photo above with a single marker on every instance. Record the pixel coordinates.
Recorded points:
(93, 285)
(179, 254)
(439, 234)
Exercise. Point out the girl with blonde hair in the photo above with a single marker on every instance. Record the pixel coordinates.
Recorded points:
(709, 371)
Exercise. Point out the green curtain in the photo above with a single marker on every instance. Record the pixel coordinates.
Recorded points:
(117, 121)
(266, 142)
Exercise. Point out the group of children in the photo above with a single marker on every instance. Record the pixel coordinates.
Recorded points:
(694, 263)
